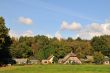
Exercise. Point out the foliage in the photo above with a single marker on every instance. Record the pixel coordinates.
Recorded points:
(41, 47)
(98, 57)
(21, 48)
(101, 44)
(5, 42)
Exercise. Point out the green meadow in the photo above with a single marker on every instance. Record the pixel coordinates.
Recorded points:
(56, 69)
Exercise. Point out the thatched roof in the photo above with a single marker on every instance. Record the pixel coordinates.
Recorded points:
(70, 57)
(89, 58)
(49, 57)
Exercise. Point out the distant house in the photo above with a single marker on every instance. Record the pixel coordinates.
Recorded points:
(34, 62)
(70, 58)
(21, 61)
(26, 61)
(106, 60)
(49, 60)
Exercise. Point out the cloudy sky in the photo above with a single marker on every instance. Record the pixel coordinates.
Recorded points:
(57, 18)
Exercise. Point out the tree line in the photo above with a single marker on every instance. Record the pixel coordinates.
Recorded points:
(41, 47)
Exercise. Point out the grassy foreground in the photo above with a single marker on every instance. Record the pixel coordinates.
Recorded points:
(57, 69)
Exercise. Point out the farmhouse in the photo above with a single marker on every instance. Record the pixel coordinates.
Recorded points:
(70, 58)
(21, 61)
(49, 60)
(34, 62)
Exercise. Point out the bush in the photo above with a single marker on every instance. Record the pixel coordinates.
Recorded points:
(98, 57)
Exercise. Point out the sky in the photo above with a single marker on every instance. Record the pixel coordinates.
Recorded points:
(57, 18)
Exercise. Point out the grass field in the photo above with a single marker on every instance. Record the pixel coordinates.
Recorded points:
(57, 69)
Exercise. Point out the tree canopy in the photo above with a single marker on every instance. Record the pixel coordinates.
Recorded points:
(5, 43)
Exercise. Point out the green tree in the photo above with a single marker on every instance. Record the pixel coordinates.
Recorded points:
(21, 48)
(98, 57)
(78, 39)
(107, 50)
(100, 44)
(5, 42)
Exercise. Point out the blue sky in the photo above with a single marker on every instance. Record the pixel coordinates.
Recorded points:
(60, 18)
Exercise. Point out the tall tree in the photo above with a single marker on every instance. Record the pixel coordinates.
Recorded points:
(5, 42)
(98, 57)
(100, 44)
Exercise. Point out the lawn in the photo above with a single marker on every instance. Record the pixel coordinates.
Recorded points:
(57, 69)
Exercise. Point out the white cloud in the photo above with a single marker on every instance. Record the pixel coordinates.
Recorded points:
(87, 35)
(28, 33)
(49, 36)
(87, 31)
(13, 34)
(58, 35)
(25, 20)
(64, 25)
(94, 29)
(73, 26)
